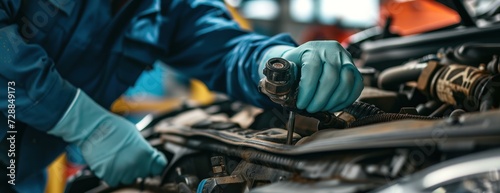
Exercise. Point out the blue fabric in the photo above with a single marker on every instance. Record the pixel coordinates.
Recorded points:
(149, 83)
(52, 47)
(74, 155)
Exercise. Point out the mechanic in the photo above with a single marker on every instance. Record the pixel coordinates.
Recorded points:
(68, 60)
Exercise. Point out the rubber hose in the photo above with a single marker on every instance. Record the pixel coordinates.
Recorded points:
(261, 158)
(273, 161)
(487, 103)
(494, 65)
(391, 78)
(386, 117)
(361, 109)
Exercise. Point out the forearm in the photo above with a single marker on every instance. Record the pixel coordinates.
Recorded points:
(41, 94)
(210, 46)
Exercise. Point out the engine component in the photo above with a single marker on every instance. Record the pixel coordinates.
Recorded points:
(218, 166)
(361, 114)
(222, 184)
(386, 53)
(386, 117)
(279, 87)
(392, 78)
(244, 177)
(494, 65)
(277, 84)
(459, 85)
(428, 107)
(360, 109)
(476, 53)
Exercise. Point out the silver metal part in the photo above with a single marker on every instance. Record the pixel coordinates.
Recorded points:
(291, 127)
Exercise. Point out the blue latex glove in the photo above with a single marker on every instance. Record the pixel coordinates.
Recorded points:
(111, 145)
(329, 80)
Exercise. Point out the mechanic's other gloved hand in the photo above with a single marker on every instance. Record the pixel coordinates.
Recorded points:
(329, 80)
(112, 146)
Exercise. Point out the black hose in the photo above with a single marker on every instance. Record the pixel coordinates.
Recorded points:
(366, 114)
(386, 117)
(487, 92)
(487, 104)
(361, 109)
(489, 101)
(358, 110)
(256, 157)
(391, 78)
(494, 65)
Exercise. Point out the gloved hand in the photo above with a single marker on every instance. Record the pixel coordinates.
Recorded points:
(329, 80)
(112, 147)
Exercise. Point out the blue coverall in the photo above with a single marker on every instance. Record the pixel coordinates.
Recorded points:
(51, 47)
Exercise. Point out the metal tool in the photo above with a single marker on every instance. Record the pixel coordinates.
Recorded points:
(290, 127)
(279, 86)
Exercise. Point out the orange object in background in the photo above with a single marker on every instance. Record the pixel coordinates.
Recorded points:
(417, 16)
(326, 32)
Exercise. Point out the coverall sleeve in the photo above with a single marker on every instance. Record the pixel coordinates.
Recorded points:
(209, 45)
(41, 94)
